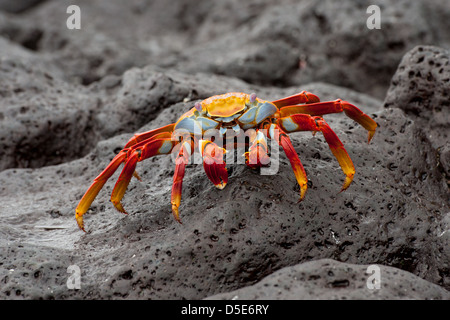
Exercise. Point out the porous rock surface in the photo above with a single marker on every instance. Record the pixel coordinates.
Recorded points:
(421, 87)
(269, 42)
(229, 238)
(63, 120)
(329, 279)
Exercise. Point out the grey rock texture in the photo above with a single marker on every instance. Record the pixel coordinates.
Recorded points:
(320, 41)
(229, 238)
(420, 87)
(43, 119)
(17, 6)
(70, 100)
(263, 42)
(329, 279)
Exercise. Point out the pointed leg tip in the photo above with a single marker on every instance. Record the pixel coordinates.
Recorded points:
(121, 210)
(80, 223)
(119, 207)
(136, 175)
(175, 213)
(346, 184)
(302, 193)
(370, 136)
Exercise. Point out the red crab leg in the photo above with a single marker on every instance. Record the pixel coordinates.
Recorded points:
(131, 156)
(96, 186)
(180, 163)
(139, 137)
(214, 163)
(302, 97)
(257, 155)
(321, 108)
(275, 132)
(154, 136)
(304, 122)
(139, 152)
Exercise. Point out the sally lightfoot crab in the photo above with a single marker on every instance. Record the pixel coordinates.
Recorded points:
(244, 115)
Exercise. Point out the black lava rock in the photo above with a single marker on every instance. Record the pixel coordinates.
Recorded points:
(71, 99)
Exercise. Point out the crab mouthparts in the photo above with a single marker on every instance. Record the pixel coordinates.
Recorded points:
(229, 125)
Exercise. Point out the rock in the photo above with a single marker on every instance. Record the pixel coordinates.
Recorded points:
(43, 120)
(420, 87)
(44, 269)
(71, 99)
(330, 279)
(319, 41)
(82, 56)
(237, 236)
(17, 6)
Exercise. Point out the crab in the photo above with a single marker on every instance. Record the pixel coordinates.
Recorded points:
(244, 115)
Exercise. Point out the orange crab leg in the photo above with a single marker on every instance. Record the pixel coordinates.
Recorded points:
(214, 163)
(124, 179)
(96, 186)
(130, 156)
(155, 136)
(302, 97)
(304, 122)
(337, 106)
(276, 132)
(139, 137)
(139, 152)
(180, 163)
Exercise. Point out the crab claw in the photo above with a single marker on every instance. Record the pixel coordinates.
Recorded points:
(257, 155)
(213, 163)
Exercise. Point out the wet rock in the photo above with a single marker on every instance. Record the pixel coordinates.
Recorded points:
(330, 279)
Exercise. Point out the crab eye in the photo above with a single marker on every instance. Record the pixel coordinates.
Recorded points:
(252, 97)
(198, 106)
